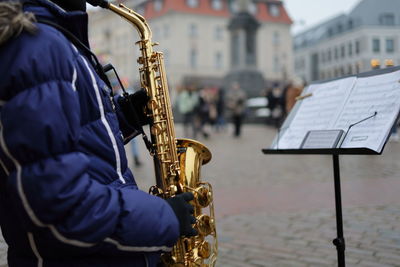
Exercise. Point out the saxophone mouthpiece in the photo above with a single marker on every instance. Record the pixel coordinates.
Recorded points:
(101, 3)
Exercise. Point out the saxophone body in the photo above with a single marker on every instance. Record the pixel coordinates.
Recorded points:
(177, 163)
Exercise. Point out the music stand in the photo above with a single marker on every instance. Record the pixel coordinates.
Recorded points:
(335, 150)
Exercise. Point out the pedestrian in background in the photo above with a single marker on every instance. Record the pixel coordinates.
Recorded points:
(220, 123)
(292, 91)
(202, 113)
(187, 102)
(236, 102)
(135, 153)
(275, 105)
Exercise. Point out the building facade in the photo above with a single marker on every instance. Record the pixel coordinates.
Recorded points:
(348, 43)
(194, 37)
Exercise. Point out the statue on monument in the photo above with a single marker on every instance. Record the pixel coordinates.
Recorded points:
(243, 33)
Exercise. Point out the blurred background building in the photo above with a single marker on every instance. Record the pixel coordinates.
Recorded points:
(350, 43)
(195, 39)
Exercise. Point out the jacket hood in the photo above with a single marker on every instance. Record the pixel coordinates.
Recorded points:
(13, 21)
(16, 17)
(75, 22)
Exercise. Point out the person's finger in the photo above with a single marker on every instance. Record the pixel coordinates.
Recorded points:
(189, 208)
(188, 196)
(192, 232)
(192, 220)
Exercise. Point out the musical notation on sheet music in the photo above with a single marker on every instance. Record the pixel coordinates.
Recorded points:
(316, 112)
(341, 103)
(379, 94)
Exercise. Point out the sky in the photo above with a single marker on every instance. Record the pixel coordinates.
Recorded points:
(307, 13)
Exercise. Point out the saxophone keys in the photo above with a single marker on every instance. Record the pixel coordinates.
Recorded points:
(205, 225)
(170, 260)
(204, 250)
(173, 189)
(140, 60)
(156, 129)
(156, 191)
(203, 196)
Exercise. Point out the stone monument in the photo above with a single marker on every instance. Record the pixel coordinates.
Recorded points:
(243, 34)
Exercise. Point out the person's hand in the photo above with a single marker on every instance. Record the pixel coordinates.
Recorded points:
(183, 211)
(135, 103)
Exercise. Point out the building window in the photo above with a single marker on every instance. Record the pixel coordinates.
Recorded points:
(252, 8)
(330, 32)
(376, 45)
(158, 5)
(342, 51)
(358, 48)
(274, 10)
(339, 28)
(329, 55)
(336, 53)
(389, 45)
(192, 3)
(350, 49)
(387, 19)
(276, 64)
(216, 4)
(193, 58)
(350, 24)
(235, 48)
(193, 30)
(218, 60)
(218, 33)
(276, 38)
(233, 6)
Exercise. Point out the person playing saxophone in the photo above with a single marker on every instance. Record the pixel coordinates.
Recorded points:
(67, 197)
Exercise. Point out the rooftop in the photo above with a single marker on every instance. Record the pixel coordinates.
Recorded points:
(263, 10)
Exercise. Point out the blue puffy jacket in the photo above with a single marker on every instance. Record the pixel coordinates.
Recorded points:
(67, 197)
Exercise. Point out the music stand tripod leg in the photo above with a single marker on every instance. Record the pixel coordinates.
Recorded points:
(339, 240)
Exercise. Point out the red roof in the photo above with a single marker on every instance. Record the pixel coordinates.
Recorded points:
(205, 8)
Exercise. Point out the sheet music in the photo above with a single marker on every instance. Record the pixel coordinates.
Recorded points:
(379, 94)
(317, 112)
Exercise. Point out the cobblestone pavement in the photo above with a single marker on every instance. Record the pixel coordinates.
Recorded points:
(279, 210)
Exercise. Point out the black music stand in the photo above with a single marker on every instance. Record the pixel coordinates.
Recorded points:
(335, 150)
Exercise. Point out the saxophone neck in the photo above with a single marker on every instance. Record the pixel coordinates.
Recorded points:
(137, 20)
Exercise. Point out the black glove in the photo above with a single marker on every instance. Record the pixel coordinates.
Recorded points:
(133, 106)
(183, 211)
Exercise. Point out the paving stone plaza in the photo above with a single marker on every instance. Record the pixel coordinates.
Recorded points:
(279, 210)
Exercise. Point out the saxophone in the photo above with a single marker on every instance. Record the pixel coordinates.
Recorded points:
(177, 162)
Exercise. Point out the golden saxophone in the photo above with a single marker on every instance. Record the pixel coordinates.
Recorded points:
(177, 162)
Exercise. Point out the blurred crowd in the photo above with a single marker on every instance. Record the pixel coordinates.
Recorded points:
(209, 108)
